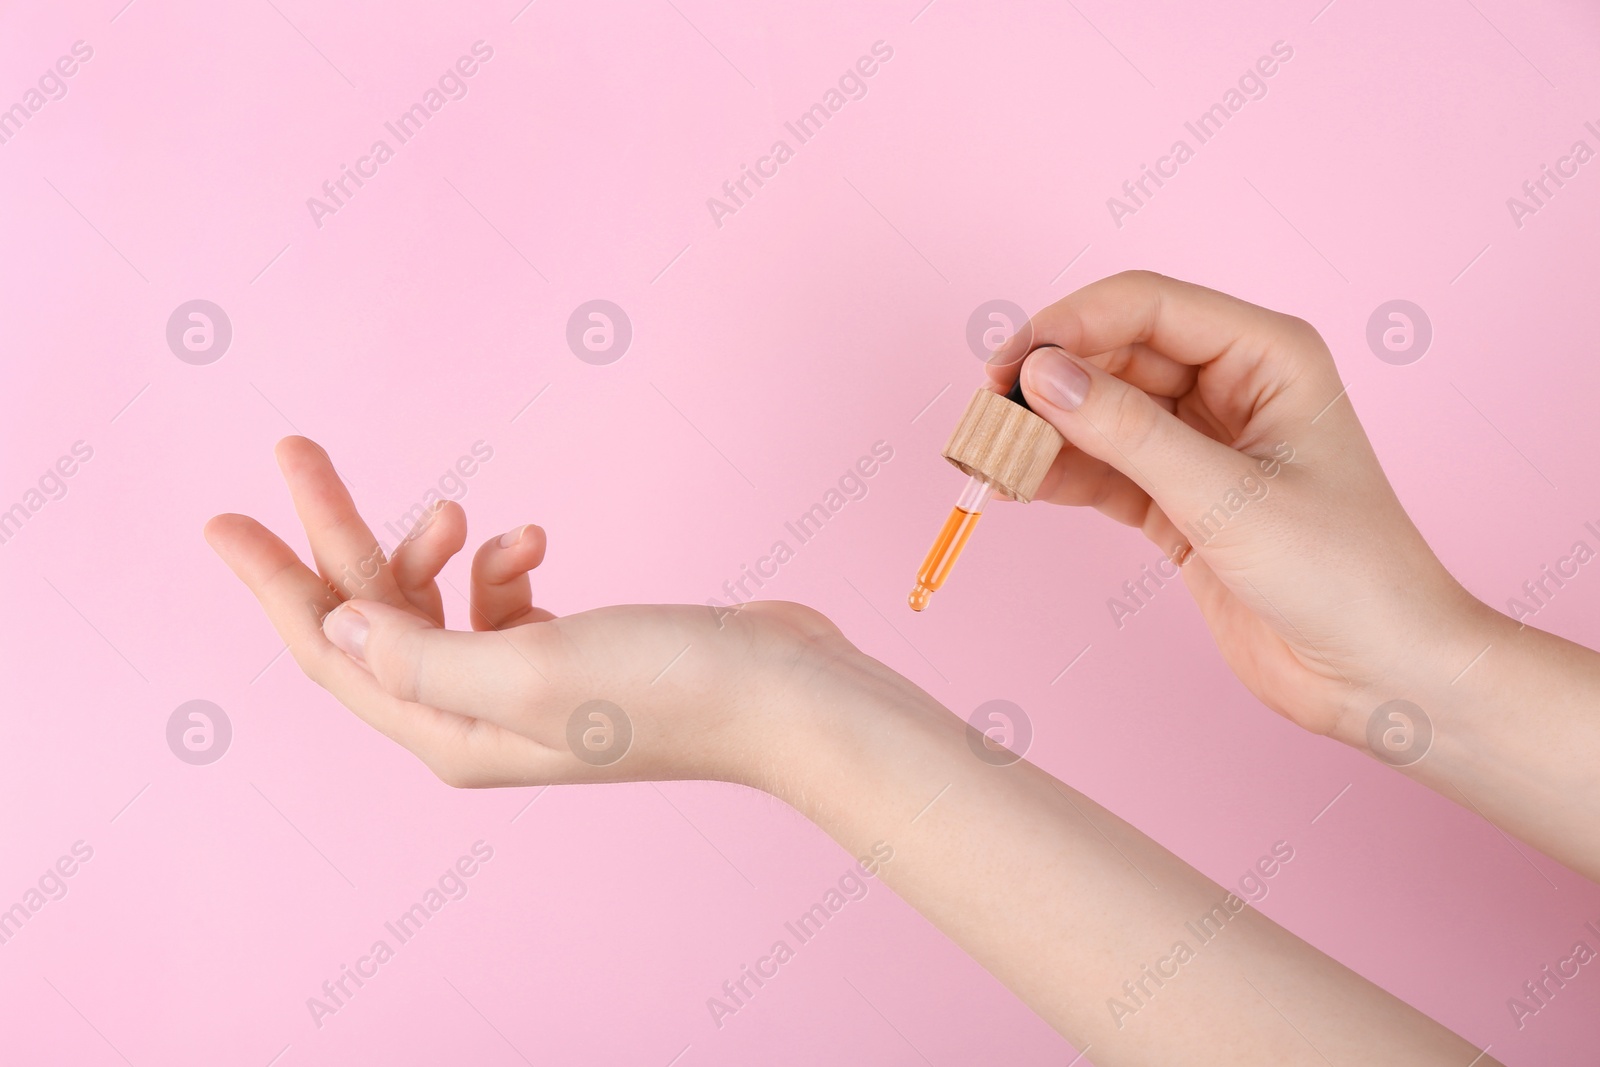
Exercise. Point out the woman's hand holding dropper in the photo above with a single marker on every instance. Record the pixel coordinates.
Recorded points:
(1222, 431)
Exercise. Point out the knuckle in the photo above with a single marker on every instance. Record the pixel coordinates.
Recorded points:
(1303, 333)
(452, 775)
(1103, 488)
(1301, 348)
(1132, 419)
(1140, 276)
(456, 770)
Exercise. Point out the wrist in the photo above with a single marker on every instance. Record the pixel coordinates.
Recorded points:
(1425, 667)
(848, 739)
(803, 701)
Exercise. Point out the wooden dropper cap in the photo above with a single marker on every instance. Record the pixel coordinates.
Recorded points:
(1003, 441)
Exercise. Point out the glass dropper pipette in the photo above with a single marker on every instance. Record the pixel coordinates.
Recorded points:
(1005, 449)
(951, 540)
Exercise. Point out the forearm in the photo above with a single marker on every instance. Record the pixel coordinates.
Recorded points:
(1076, 911)
(1516, 736)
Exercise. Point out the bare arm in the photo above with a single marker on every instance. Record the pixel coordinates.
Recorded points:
(1075, 910)
(1122, 947)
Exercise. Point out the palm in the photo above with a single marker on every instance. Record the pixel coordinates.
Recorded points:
(350, 565)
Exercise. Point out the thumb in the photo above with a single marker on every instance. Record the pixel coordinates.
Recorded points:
(1182, 469)
(416, 661)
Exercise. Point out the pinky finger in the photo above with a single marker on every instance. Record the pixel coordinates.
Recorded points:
(502, 596)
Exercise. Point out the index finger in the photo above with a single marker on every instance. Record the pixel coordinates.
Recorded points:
(455, 747)
(1143, 314)
(296, 601)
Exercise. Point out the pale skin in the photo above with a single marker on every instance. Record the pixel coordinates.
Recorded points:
(1321, 594)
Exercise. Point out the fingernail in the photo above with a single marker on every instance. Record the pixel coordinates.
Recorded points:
(1057, 379)
(347, 629)
(511, 537)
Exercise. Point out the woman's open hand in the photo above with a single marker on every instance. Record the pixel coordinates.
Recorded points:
(617, 693)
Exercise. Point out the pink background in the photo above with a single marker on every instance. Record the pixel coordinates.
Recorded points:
(768, 355)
